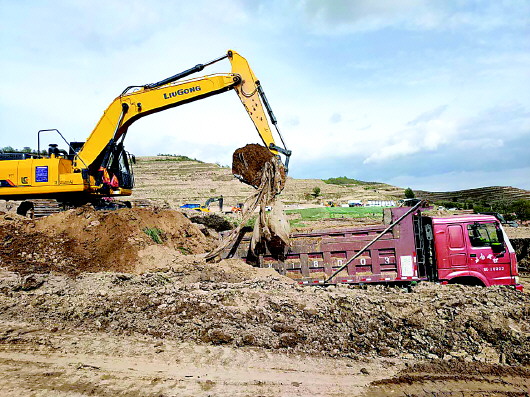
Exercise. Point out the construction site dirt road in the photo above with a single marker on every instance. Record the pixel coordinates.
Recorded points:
(90, 304)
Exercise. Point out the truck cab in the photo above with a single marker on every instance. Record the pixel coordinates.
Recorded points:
(473, 249)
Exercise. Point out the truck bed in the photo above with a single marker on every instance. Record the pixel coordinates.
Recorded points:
(314, 256)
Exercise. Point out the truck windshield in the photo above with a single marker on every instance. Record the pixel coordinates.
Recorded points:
(483, 235)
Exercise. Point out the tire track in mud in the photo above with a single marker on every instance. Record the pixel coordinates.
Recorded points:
(41, 362)
(457, 378)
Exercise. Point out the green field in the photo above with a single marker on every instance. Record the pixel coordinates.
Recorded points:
(315, 214)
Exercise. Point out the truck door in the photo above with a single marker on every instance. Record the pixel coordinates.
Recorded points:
(456, 246)
(488, 253)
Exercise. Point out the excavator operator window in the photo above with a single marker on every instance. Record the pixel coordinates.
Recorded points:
(122, 168)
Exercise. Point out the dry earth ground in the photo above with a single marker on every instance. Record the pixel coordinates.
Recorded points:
(38, 362)
(173, 333)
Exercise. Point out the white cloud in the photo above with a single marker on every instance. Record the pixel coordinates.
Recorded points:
(425, 133)
(428, 116)
(401, 148)
(367, 15)
(346, 17)
(335, 118)
(396, 79)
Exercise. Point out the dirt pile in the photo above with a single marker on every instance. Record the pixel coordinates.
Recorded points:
(212, 221)
(85, 240)
(268, 311)
(522, 249)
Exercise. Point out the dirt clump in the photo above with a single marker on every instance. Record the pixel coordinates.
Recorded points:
(86, 240)
(212, 221)
(438, 377)
(248, 163)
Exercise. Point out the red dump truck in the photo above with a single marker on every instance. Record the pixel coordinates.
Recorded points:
(466, 249)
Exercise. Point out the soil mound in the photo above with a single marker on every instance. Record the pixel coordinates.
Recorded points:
(213, 221)
(522, 249)
(86, 240)
(451, 323)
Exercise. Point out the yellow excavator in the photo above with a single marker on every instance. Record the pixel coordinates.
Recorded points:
(100, 167)
(206, 206)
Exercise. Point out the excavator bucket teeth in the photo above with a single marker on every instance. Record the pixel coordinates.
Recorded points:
(249, 163)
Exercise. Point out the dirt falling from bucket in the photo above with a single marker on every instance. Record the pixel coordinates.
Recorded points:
(255, 165)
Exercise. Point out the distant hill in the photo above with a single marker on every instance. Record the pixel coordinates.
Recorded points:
(487, 194)
(177, 180)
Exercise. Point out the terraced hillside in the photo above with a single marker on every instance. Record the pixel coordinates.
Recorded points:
(165, 179)
(483, 193)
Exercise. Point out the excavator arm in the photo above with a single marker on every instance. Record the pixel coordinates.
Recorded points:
(139, 101)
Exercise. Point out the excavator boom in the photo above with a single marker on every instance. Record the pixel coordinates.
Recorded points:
(140, 101)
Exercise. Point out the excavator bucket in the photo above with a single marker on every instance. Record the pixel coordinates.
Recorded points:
(254, 163)
(256, 166)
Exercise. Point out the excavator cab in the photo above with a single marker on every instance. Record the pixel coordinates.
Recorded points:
(117, 172)
(121, 167)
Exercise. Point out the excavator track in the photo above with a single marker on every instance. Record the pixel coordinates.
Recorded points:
(39, 208)
(43, 207)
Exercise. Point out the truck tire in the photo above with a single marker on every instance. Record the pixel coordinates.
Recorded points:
(472, 281)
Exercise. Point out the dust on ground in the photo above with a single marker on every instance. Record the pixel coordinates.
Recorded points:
(117, 313)
(40, 362)
(258, 333)
(259, 308)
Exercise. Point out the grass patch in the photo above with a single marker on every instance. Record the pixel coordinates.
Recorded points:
(155, 233)
(343, 180)
(176, 157)
(184, 250)
(297, 223)
(250, 223)
(315, 214)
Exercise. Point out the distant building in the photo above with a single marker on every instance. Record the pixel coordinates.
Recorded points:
(380, 203)
(355, 203)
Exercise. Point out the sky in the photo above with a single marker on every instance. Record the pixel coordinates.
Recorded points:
(427, 94)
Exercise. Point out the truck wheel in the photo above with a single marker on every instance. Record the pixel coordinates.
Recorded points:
(472, 281)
